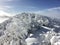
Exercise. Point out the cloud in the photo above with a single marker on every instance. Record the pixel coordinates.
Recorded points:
(52, 12)
(4, 10)
(5, 0)
(4, 13)
(5, 7)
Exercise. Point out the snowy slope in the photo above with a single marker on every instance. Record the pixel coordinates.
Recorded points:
(3, 19)
(29, 29)
(4, 16)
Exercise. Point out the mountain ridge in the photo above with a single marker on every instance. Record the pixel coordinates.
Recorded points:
(17, 30)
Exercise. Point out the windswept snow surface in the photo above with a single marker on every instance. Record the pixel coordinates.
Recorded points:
(29, 29)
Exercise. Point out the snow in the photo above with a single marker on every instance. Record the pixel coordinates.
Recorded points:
(23, 29)
(57, 43)
(55, 40)
(4, 16)
(31, 35)
(30, 41)
(48, 28)
(57, 26)
(3, 19)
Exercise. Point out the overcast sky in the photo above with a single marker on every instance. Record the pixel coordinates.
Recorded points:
(44, 7)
